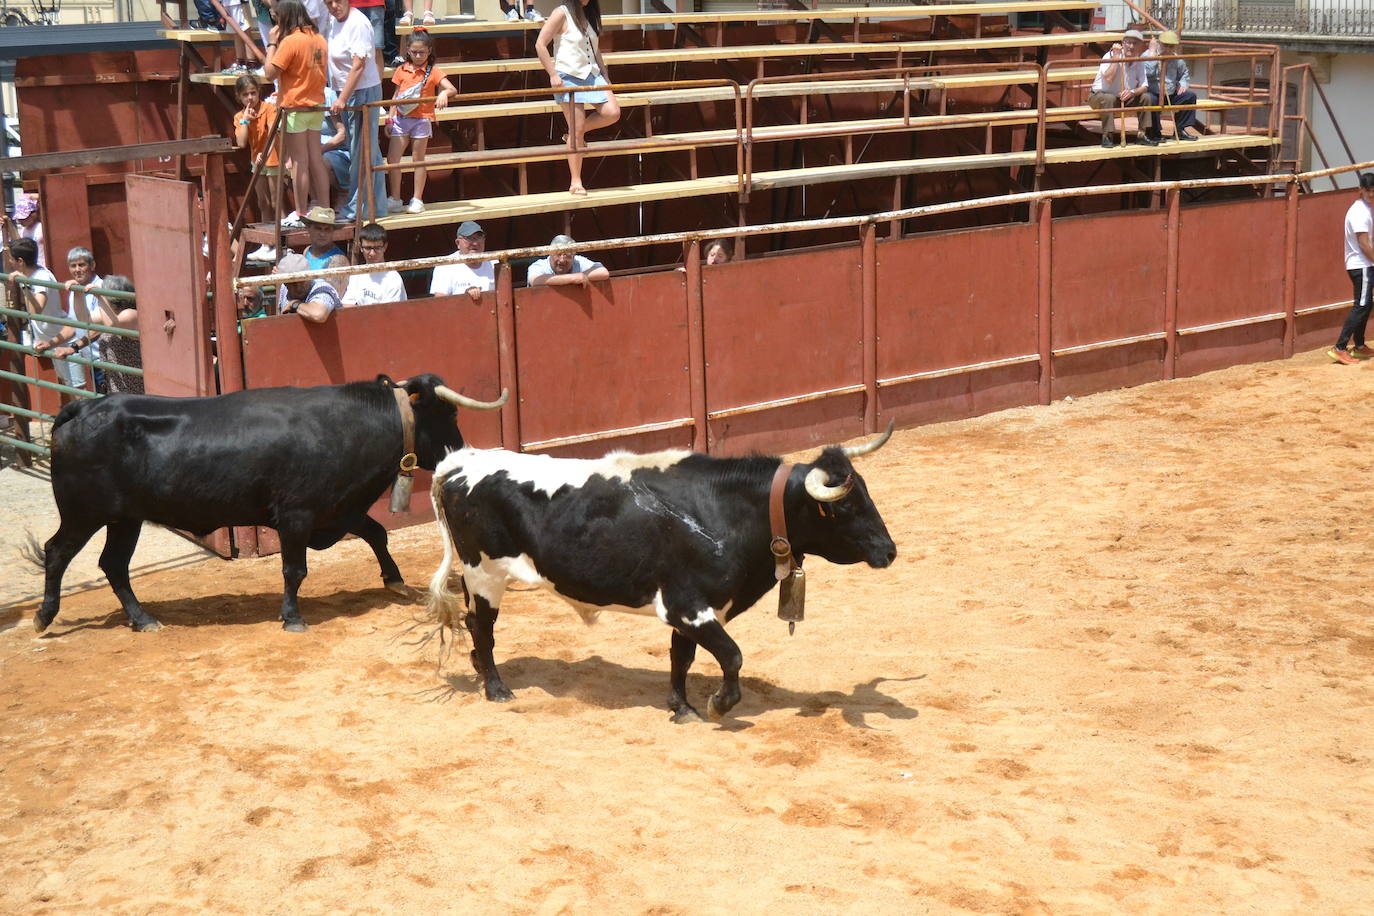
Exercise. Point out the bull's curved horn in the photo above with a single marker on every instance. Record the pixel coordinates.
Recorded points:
(453, 397)
(817, 489)
(868, 448)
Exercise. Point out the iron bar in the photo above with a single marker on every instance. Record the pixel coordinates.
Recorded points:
(958, 370)
(82, 360)
(25, 412)
(24, 446)
(70, 322)
(785, 402)
(1235, 323)
(51, 386)
(1108, 344)
(609, 434)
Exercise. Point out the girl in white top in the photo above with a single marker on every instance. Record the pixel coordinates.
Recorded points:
(576, 61)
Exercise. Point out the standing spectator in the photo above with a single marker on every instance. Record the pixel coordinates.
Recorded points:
(82, 307)
(414, 124)
(238, 15)
(297, 57)
(565, 268)
(355, 77)
(375, 11)
(392, 50)
(1359, 264)
(120, 313)
(252, 126)
(511, 10)
(313, 300)
(409, 17)
(1121, 84)
(471, 278)
(373, 288)
(25, 225)
(319, 223)
(262, 16)
(1176, 92)
(44, 336)
(576, 27)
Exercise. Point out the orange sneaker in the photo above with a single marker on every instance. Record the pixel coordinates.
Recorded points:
(1342, 356)
(1362, 352)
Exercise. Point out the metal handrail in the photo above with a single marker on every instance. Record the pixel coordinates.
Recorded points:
(81, 360)
(70, 322)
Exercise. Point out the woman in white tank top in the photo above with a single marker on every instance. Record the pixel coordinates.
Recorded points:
(568, 48)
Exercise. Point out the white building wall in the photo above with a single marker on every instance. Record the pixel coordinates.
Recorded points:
(1348, 90)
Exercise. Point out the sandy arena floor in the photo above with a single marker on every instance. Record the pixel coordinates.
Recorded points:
(1124, 663)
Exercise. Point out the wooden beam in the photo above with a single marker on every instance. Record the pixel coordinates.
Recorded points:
(128, 153)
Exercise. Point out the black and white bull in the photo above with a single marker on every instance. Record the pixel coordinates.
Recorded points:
(308, 462)
(678, 535)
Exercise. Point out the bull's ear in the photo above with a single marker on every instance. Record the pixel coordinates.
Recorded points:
(414, 397)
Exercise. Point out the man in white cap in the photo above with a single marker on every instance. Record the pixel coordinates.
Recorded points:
(471, 277)
(565, 268)
(1176, 92)
(1121, 84)
(313, 300)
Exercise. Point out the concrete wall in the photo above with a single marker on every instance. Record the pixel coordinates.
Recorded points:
(1347, 90)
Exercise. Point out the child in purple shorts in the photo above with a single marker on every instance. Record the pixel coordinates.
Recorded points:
(414, 124)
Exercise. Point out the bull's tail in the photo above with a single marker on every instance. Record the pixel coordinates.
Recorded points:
(32, 551)
(442, 602)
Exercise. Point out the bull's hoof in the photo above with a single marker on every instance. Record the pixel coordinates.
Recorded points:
(294, 626)
(715, 707)
(499, 693)
(39, 624)
(400, 588)
(148, 626)
(686, 715)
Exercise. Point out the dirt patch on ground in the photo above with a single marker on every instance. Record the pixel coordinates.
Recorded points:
(1122, 664)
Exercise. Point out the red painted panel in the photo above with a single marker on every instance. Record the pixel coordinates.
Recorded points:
(934, 316)
(610, 356)
(169, 271)
(1107, 283)
(1321, 276)
(777, 328)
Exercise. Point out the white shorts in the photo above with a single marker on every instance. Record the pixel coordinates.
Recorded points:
(69, 373)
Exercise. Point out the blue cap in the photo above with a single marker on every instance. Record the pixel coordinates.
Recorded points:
(469, 228)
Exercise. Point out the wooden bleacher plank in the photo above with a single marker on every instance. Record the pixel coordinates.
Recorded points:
(756, 15)
(196, 36)
(727, 137)
(452, 212)
(770, 90)
(223, 79)
(768, 52)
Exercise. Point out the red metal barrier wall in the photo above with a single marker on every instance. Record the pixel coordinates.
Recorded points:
(1229, 271)
(1321, 277)
(1108, 283)
(603, 358)
(776, 329)
(952, 300)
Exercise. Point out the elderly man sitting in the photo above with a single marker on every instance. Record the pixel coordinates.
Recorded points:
(1176, 91)
(566, 268)
(313, 300)
(1121, 84)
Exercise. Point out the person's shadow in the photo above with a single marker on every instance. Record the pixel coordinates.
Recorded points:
(609, 685)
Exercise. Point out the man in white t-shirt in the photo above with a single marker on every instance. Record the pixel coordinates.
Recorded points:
(1359, 263)
(473, 277)
(45, 336)
(372, 289)
(1122, 84)
(353, 74)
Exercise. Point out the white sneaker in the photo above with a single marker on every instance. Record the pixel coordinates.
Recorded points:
(533, 15)
(395, 205)
(416, 205)
(512, 15)
(406, 19)
(262, 253)
(292, 220)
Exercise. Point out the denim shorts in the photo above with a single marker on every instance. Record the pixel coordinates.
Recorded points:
(586, 98)
(377, 14)
(415, 128)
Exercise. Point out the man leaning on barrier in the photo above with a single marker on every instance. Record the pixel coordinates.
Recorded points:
(471, 277)
(45, 336)
(313, 300)
(1121, 84)
(566, 268)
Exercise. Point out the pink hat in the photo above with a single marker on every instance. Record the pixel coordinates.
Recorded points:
(24, 207)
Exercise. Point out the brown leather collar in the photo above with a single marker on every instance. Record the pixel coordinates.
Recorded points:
(408, 459)
(780, 547)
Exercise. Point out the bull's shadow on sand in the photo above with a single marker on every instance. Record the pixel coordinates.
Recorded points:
(610, 685)
(229, 610)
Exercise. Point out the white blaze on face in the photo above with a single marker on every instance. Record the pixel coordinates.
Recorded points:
(546, 474)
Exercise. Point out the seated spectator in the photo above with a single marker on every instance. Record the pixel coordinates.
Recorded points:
(1121, 84)
(566, 268)
(25, 225)
(319, 223)
(120, 313)
(471, 278)
(313, 300)
(249, 302)
(374, 288)
(334, 142)
(44, 336)
(1176, 91)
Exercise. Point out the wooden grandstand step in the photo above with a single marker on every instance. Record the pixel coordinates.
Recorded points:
(446, 212)
(779, 51)
(196, 36)
(782, 15)
(774, 133)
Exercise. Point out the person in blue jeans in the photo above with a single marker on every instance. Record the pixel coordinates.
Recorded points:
(210, 18)
(354, 75)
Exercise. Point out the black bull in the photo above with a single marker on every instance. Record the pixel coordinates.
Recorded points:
(681, 536)
(308, 462)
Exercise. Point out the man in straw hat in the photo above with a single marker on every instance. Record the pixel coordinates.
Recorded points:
(1120, 83)
(1176, 92)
